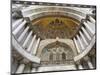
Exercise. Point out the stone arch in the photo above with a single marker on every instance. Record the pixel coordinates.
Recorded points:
(46, 42)
(58, 53)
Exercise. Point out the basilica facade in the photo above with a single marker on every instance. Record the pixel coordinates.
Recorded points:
(48, 37)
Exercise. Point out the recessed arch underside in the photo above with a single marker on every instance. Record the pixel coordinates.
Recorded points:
(53, 26)
(30, 10)
(46, 13)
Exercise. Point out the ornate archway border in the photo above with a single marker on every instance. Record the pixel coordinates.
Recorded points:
(46, 42)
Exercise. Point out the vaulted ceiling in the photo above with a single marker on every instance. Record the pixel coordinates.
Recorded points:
(55, 26)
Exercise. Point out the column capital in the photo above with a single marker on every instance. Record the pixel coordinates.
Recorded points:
(88, 15)
(27, 19)
(83, 20)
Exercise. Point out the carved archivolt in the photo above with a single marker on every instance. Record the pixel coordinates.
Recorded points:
(57, 53)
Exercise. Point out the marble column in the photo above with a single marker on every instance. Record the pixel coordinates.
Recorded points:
(16, 23)
(19, 27)
(87, 59)
(92, 26)
(20, 68)
(86, 33)
(30, 46)
(23, 34)
(36, 46)
(77, 45)
(92, 19)
(88, 27)
(90, 64)
(27, 39)
(83, 37)
(80, 41)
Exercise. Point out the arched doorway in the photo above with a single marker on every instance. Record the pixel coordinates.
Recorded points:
(57, 53)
